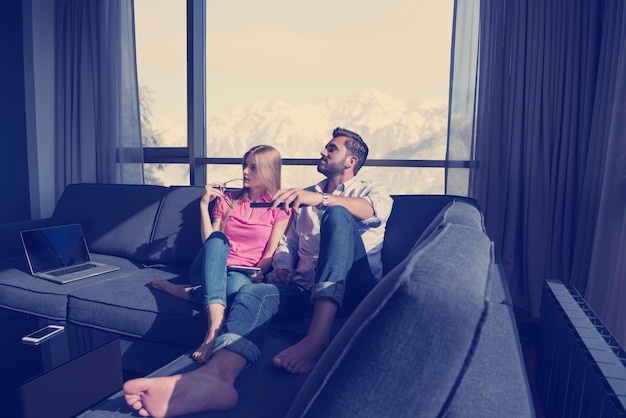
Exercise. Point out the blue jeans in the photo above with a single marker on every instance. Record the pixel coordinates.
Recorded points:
(208, 272)
(343, 274)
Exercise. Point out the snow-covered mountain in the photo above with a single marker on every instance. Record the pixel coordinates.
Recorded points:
(392, 128)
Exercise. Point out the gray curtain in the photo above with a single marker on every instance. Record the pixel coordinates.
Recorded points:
(98, 132)
(606, 290)
(550, 148)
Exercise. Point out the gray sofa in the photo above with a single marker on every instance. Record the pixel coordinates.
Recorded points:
(436, 337)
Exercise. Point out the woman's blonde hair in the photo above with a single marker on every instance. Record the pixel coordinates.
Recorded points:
(269, 163)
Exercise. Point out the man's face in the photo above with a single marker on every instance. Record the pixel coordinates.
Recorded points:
(334, 157)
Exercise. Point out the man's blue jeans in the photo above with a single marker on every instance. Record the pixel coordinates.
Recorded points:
(208, 272)
(342, 274)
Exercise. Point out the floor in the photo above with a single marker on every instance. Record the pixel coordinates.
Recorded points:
(528, 328)
(530, 355)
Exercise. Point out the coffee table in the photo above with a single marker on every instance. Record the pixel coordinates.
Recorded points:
(59, 377)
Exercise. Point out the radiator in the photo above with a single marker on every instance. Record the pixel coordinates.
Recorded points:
(580, 369)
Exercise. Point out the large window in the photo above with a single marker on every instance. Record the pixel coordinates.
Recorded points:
(285, 74)
(161, 36)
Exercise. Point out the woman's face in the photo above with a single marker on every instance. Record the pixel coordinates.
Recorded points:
(251, 172)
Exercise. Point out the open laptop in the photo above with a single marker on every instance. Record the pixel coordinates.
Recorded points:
(60, 254)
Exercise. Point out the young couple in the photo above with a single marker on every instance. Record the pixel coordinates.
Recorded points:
(327, 258)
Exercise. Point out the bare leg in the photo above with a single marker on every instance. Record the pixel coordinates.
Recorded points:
(208, 388)
(302, 356)
(178, 290)
(215, 314)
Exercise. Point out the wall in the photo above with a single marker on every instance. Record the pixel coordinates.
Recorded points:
(14, 178)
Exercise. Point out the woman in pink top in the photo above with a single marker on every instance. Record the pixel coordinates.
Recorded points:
(235, 235)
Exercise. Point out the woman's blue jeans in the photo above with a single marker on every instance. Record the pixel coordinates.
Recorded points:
(342, 274)
(208, 272)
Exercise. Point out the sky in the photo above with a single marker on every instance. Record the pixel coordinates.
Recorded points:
(304, 52)
(299, 53)
(296, 52)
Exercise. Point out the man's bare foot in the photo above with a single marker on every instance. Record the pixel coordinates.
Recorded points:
(302, 356)
(199, 390)
(178, 290)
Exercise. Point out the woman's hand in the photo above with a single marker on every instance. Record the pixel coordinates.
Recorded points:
(211, 191)
(257, 277)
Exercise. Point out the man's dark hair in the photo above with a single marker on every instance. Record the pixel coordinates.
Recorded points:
(355, 146)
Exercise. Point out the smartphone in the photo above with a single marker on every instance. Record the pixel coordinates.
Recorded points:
(244, 270)
(43, 334)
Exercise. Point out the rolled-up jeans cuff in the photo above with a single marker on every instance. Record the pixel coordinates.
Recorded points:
(214, 301)
(238, 344)
(332, 290)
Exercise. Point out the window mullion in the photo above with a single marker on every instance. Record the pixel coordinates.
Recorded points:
(196, 89)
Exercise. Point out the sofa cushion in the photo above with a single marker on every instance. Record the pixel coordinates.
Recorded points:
(117, 218)
(495, 382)
(419, 325)
(460, 212)
(22, 292)
(127, 305)
(177, 229)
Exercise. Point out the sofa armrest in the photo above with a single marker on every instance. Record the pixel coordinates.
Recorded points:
(10, 240)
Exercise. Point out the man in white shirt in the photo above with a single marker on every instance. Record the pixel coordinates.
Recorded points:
(332, 247)
(330, 255)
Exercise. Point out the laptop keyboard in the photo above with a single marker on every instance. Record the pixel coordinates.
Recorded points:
(72, 269)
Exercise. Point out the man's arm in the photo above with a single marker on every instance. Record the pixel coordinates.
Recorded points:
(359, 208)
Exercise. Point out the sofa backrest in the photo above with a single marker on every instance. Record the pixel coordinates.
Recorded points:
(410, 217)
(117, 219)
(157, 224)
(176, 236)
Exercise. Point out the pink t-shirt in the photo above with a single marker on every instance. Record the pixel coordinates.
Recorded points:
(248, 229)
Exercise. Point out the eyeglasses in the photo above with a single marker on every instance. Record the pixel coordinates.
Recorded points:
(225, 189)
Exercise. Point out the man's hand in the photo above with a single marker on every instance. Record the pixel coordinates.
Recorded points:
(280, 276)
(294, 198)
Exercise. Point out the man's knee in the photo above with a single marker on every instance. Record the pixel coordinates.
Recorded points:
(336, 215)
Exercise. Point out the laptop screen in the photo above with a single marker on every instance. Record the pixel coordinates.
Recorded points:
(55, 247)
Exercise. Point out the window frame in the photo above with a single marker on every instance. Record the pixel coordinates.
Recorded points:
(195, 154)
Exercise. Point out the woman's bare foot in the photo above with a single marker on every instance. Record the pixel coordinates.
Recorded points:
(302, 356)
(179, 394)
(178, 290)
(203, 353)
(215, 315)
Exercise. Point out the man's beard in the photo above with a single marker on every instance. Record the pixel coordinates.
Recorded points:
(331, 169)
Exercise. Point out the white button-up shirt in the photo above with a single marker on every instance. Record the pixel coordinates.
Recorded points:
(299, 248)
